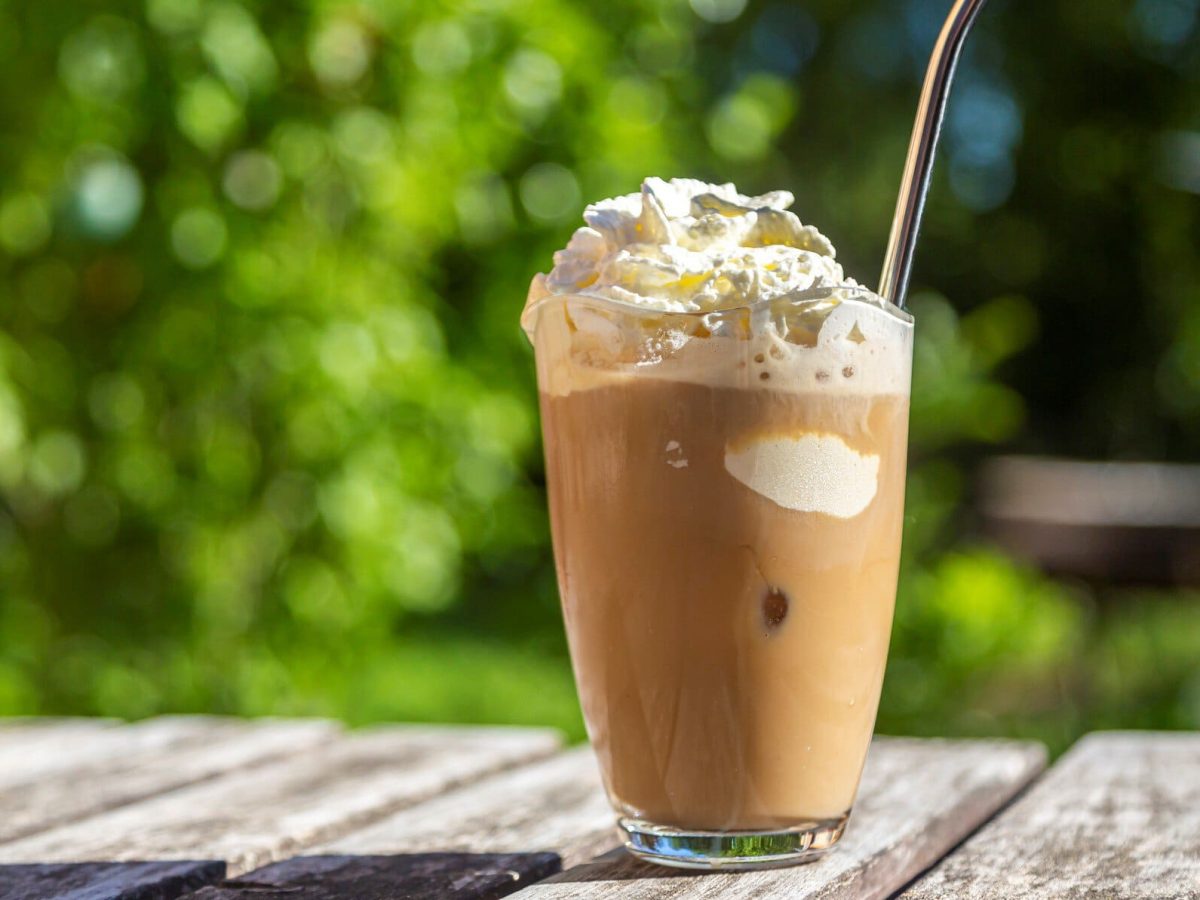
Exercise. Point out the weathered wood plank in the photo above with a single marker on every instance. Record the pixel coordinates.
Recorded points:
(107, 881)
(43, 749)
(31, 746)
(251, 817)
(1118, 817)
(918, 799)
(418, 876)
(145, 759)
(504, 831)
(17, 726)
(554, 805)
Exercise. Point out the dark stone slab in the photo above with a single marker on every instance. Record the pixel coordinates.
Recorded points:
(415, 876)
(107, 880)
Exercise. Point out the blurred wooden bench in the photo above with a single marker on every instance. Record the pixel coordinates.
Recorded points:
(218, 809)
(1113, 522)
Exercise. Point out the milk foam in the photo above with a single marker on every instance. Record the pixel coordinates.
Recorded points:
(859, 348)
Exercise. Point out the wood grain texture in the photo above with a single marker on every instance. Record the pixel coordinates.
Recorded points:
(107, 881)
(1118, 817)
(251, 817)
(918, 799)
(557, 805)
(420, 876)
(149, 758)
(29, 747)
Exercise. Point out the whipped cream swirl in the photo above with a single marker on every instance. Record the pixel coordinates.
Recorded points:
(688, 246)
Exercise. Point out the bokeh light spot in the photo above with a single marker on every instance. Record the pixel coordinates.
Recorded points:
(351, 504)
(314, 593)
(783, 39)
(661, 49)
(743, 125)
(406, 333)
(237, 49)
(718, 11)
(207, 113)
(484, 208)
(57, 462)
(12, 430)
(339, 53)
(300, 147)
(532, 81)
(1165, 23)
(107, 195)
(1178, 159)
(252, 180)
(24, 224)
(984, 123)
(330, 200)
(173, 16)
(441, 48)
(348, 354)
(145, 474)
(550, 193)
(198, 237)
(424, 567)
(103, 60)
(318, 429)
(363, 134)
(739, 128)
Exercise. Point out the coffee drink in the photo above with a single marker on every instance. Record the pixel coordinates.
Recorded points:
(726, 492)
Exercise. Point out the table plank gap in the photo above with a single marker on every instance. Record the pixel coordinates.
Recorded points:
(1118, 816)
(252, 817)
(149, 758)
(918, 799)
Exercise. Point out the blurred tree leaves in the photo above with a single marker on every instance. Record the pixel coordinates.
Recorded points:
(268, 440)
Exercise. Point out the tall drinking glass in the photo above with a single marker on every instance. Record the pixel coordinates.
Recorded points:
(726, 495)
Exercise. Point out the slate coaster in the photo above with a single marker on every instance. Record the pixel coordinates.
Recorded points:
(415, 876)
(107, 880)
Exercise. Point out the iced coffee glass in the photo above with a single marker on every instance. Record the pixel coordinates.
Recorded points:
(726, 493)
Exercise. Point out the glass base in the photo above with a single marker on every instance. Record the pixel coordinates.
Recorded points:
(731, 850)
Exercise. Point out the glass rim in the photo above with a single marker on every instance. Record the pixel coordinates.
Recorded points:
(840, 293)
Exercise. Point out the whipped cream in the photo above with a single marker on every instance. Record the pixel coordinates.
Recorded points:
(694, 282)
(689, 246)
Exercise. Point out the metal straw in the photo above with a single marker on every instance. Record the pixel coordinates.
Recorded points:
(897, 265)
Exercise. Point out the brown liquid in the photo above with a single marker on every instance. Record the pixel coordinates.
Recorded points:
(728, 651)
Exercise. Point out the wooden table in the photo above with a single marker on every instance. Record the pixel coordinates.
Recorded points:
(216, 809)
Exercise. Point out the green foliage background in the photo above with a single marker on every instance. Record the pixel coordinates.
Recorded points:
(268, 439)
